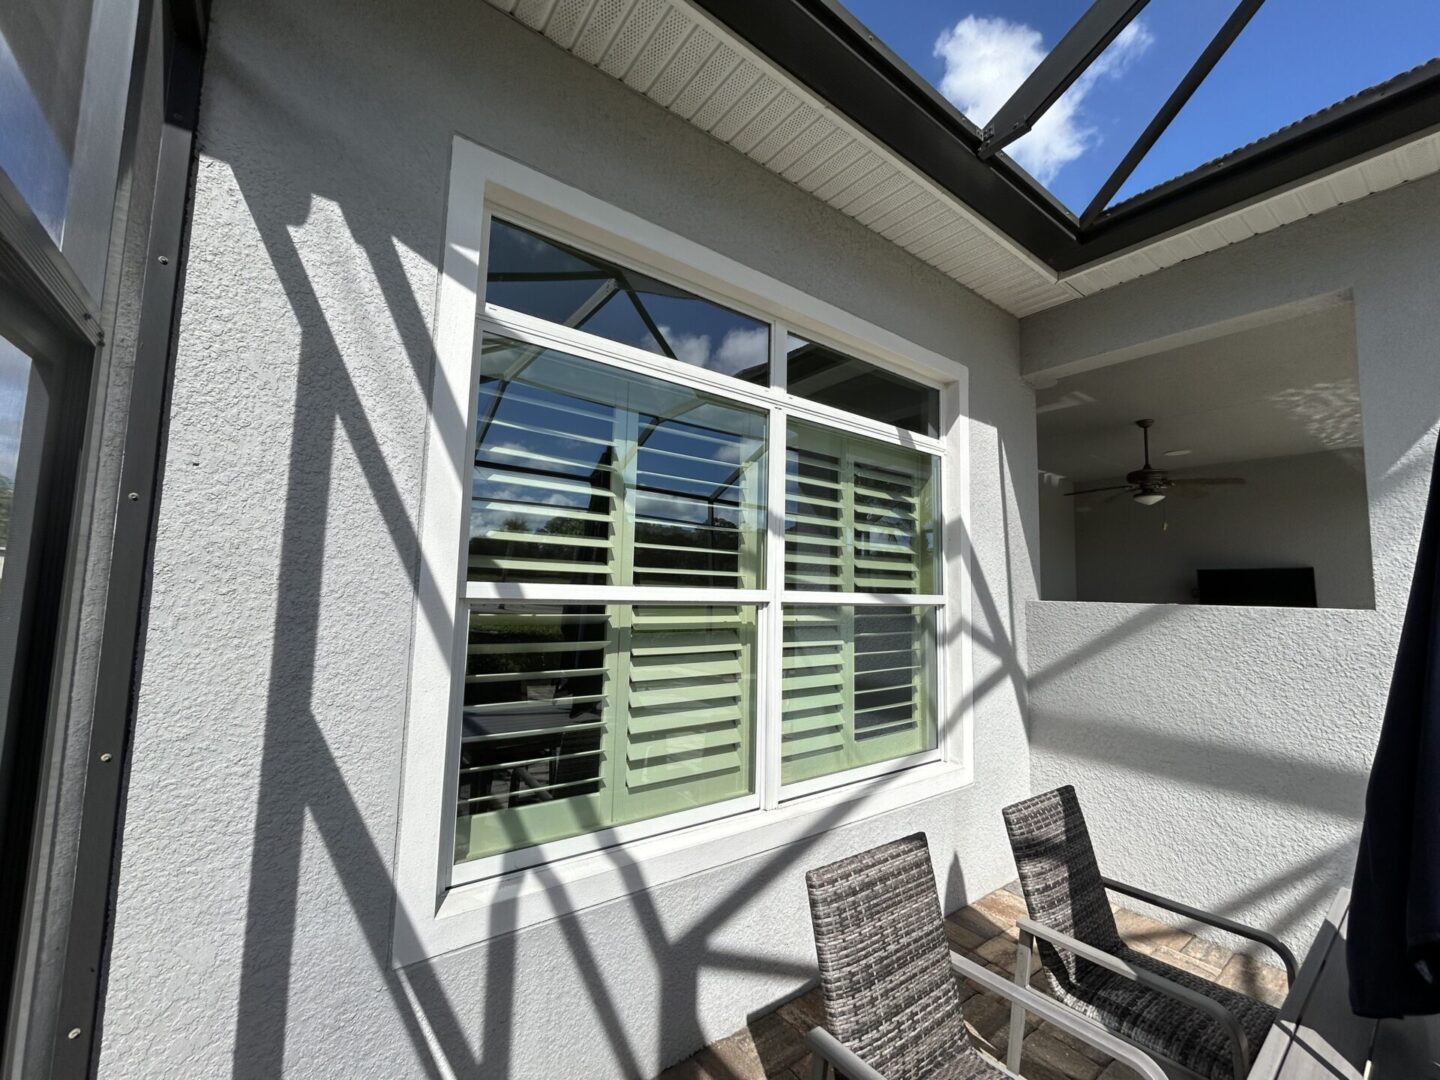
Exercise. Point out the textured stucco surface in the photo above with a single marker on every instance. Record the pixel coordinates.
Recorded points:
(1241, 738)
(252, 931)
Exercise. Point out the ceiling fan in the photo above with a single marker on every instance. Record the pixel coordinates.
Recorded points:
(1148, 485)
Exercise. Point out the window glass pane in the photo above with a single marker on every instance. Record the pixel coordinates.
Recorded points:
(860, 515)
(590, 475)
(843, 382)
(857, 687)
(15, 370)
(578, 718)
(550, 280)
(42, 69)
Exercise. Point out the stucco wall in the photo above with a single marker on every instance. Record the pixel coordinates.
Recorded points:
(1303, 510)
(1222, 752)
(1058, 561)
(255, 903)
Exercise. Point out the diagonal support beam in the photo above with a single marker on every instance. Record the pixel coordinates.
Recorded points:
(1087, 39)
(1204, 63)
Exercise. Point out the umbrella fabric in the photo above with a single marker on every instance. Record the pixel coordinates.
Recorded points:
(1393, 940)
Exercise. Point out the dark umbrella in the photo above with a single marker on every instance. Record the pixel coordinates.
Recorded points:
(1394, 932)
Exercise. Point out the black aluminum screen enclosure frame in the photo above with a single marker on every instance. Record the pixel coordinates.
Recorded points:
(76, 1047)
(50, 311)
(823, 47)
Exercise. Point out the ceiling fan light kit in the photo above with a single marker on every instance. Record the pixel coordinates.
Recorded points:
(1147, 485)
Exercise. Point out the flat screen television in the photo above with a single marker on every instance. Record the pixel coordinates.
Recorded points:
(1290, 586)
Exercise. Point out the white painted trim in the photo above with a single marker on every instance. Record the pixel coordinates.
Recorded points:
(500, 905)
(534, 331)
(480, 592)
(557, 850)
(768, 732)
(801, 788)
(433, 917)
(425, 837)
(860, 599)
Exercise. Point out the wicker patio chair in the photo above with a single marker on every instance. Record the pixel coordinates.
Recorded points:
(1199, 1028)
(892, 1003)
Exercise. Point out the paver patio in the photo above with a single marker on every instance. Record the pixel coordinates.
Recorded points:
(772, 1046)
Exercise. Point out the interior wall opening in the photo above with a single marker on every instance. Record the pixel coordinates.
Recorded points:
(1226, 471)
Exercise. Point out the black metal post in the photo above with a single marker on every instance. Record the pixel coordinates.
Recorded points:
(76, 1043)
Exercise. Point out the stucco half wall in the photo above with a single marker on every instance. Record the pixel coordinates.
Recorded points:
(253, 928)
(1222, 753)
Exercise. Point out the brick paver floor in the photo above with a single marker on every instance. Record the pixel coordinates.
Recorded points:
(773, 1045)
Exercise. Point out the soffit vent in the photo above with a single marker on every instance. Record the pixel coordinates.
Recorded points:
(681, 60)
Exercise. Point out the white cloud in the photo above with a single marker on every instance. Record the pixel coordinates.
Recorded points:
(743, 349)
(738, 350)
(986, 60)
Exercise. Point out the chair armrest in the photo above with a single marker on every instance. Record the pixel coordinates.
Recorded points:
(1220, 922)
(1067, 1020)
(1239, 1043)
(827, 1047)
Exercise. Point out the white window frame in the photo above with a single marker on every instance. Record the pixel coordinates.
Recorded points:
(444, 906)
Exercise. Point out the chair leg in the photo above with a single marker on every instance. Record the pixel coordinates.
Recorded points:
(818, 1067)
(1017, 1011)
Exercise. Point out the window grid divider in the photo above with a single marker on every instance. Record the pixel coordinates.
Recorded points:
(769, 714)
(533, 331)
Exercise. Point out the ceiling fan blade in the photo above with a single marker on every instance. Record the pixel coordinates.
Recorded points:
(1190, 494)
(1208, 481)
(1095, 491)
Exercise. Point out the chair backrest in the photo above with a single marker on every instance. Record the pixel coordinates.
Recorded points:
(1060, 877)
(885, 973)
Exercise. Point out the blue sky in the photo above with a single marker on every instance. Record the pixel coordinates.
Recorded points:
(1295, 57)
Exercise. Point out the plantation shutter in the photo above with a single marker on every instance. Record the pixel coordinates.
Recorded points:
(536, 734)
(545, 752)
(689, 689)
(859, 517)
(815, 688)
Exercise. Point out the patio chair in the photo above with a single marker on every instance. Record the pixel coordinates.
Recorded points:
(1199, 1028)
(888, 978)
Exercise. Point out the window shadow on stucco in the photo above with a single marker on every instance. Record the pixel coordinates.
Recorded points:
(1243, 770)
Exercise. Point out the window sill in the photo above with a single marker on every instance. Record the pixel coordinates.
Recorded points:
(475, 912)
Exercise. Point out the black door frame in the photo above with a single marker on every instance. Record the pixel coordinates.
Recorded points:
(50, 311)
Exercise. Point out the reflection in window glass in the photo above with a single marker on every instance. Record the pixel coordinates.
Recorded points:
(42, 68)
(14, 383)
(552, 281)
(817, 373)
(857, 687)
(860, 515)
(589, 475)
(578, 718)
